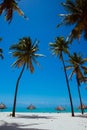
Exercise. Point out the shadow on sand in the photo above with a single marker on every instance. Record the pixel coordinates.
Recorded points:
(34, 117)
(15, 126)
(81, 116)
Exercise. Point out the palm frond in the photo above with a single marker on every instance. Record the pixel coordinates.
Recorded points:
(76, 11)
(36, 62)
(72, 73)
(20, 12)
(69, 67)
(39, 55)
(85, 69)
(9, 6)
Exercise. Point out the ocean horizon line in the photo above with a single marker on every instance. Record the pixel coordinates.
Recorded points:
(41, 110)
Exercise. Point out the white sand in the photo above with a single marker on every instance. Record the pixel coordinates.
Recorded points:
(42, 121)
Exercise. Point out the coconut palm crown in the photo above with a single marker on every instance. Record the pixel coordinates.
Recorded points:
(26, 53)
(76, 16)
(77, 64)
(60, 46)
(9, 6)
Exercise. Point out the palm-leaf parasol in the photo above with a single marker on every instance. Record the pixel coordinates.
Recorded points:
(83, 106)
(31, 107)
(2, 106)
(60, 108)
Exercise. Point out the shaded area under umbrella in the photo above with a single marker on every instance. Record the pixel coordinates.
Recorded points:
(60, 108)
(2, 106)
(31, 107)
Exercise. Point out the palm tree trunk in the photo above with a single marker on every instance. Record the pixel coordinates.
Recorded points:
(70, 97)
(82, 111)
(16, 90)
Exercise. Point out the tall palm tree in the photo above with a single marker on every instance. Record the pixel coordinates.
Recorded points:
(76, 16)
(25, 53)
(76, 63)
(9, 6)
(58, 48)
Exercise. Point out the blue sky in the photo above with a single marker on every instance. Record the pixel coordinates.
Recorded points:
(46, 86)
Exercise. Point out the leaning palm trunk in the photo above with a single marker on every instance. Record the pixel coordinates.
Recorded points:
(16, 90)
(68, 87)
(82, 111)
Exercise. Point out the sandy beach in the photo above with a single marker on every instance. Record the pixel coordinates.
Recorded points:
(43, 121)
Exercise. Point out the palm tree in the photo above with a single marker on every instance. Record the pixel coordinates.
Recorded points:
(25, 53)
(58, 48)
(9, 6)
(76, 16)
(77, 65)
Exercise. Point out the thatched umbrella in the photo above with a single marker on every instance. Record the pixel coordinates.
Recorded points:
(31, 107)
(2, 106)
(83, 106)
(60, 108)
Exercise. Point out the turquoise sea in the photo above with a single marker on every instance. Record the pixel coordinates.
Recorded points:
(39, 110)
